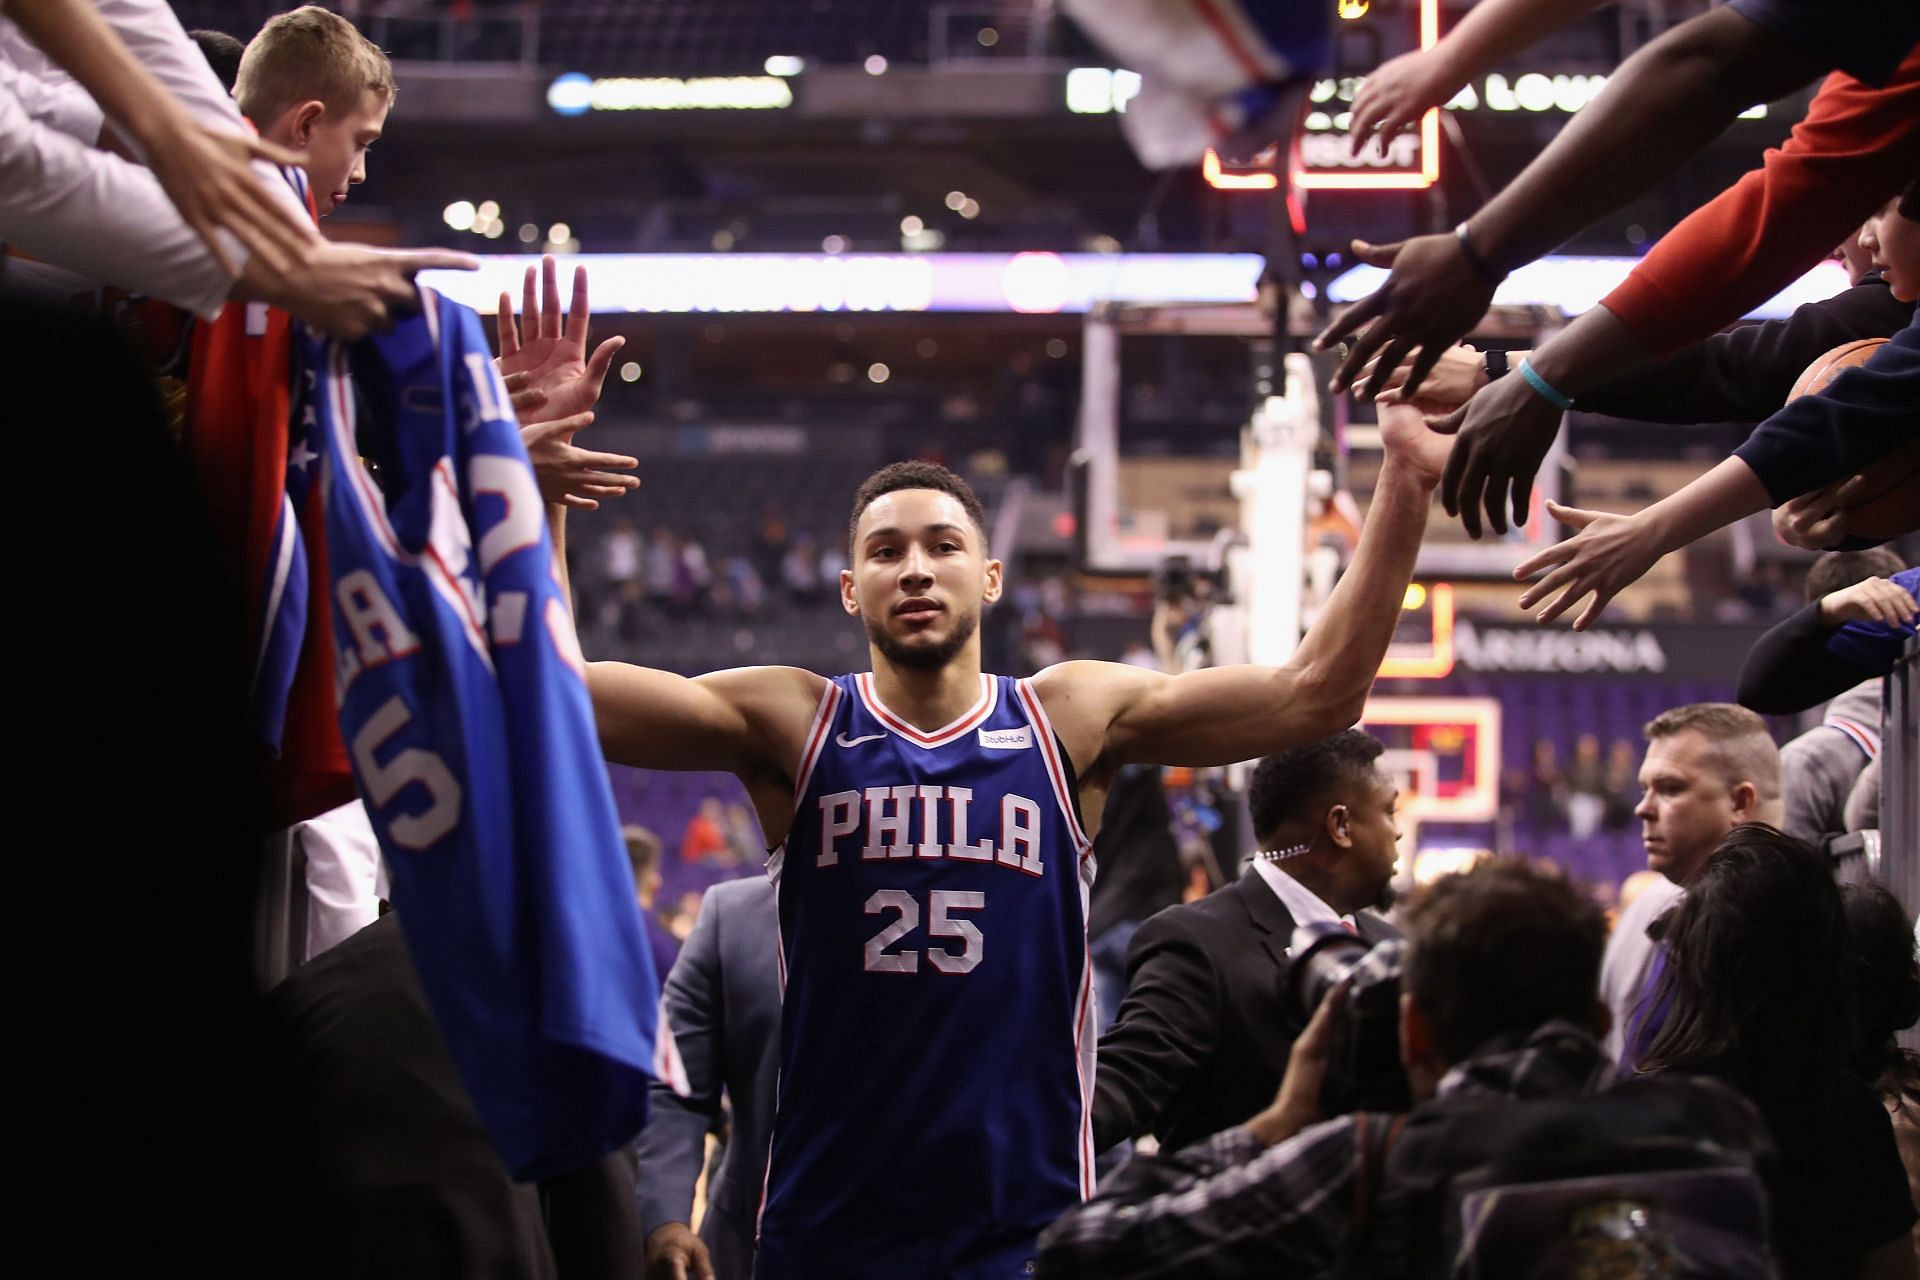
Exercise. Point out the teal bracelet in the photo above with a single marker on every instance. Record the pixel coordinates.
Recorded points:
(1546, 389)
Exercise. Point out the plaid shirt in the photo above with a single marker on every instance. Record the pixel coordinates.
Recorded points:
(1229, 1206)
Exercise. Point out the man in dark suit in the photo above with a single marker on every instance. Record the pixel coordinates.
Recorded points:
(1202, 1038)
(723, 1002)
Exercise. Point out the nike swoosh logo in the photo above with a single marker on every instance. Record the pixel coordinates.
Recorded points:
(845, 741)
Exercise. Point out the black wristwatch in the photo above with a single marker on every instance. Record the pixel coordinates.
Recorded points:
(1494, 361)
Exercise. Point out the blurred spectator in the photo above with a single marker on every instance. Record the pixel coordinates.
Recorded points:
(692, 576)
(833, 561)
(1586, 787)
(749, 591)
(800, 572)
(662, 566)
(772, 546)
(746, 847)
(1623, 787)
(1546, 799)
(704, 842)
(1774, 1021)
(643, 853)
(620, 568)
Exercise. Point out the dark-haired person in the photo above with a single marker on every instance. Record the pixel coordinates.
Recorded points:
(1201, 1039)
(1887, 1002)
(1759, 993)
(1822, 765)
(1497, 1012)
(932, 861)
(223, 54)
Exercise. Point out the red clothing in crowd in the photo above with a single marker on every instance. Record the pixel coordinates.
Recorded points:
(1857, 147)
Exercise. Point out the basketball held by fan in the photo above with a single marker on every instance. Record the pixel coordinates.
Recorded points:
(1887, 501)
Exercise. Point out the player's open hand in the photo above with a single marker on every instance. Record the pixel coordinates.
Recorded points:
(552, 352)
(208, 175)
(675, 1253)
(1608, 554)
(1455, 377)
(1393, 98)
(1430, 300)
(1504, 432)
(1874, 600)
(1407, 439)
(571, 476)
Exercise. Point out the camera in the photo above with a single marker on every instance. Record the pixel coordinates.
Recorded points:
(1364, 1072)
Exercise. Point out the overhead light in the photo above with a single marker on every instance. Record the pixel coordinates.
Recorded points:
(878, 373)
(911, 225)
(955, 199)
(559, 233)
(529, 233)
(488, 211)
(834, 244)
(876, 65)
(630, 372)
(459, 215)
(785, 64)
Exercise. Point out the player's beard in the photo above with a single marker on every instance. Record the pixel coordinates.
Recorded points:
(931, 657)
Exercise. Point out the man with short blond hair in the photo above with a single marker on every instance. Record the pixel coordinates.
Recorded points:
(1710, 766)
(312, 82)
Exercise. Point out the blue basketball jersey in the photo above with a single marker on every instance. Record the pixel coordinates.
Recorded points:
(464, 707)
(936, 1056)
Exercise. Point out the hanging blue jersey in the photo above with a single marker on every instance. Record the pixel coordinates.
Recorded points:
(464, 706)
(936, 1043)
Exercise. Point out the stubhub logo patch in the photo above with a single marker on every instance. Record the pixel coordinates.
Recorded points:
(1007, 739)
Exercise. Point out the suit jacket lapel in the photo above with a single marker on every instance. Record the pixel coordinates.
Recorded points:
(1267, 914)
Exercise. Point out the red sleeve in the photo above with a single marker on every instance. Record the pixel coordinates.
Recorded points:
(1857, 146)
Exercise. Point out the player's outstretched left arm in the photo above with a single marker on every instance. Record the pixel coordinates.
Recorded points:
(1113, 715)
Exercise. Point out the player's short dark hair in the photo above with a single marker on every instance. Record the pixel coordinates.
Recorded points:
(1501, 949)
(1299, 783)
(222, 53)
(916, 474)
(1838, 570)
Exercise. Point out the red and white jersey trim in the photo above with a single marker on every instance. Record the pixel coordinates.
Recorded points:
(976, 715)
(1864, 738)
(816, 741)
(1056, 766)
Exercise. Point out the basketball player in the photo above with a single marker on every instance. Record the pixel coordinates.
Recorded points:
(932, 855)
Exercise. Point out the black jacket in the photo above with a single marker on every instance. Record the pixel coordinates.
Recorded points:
(1201, 1040)
(1745, 375)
